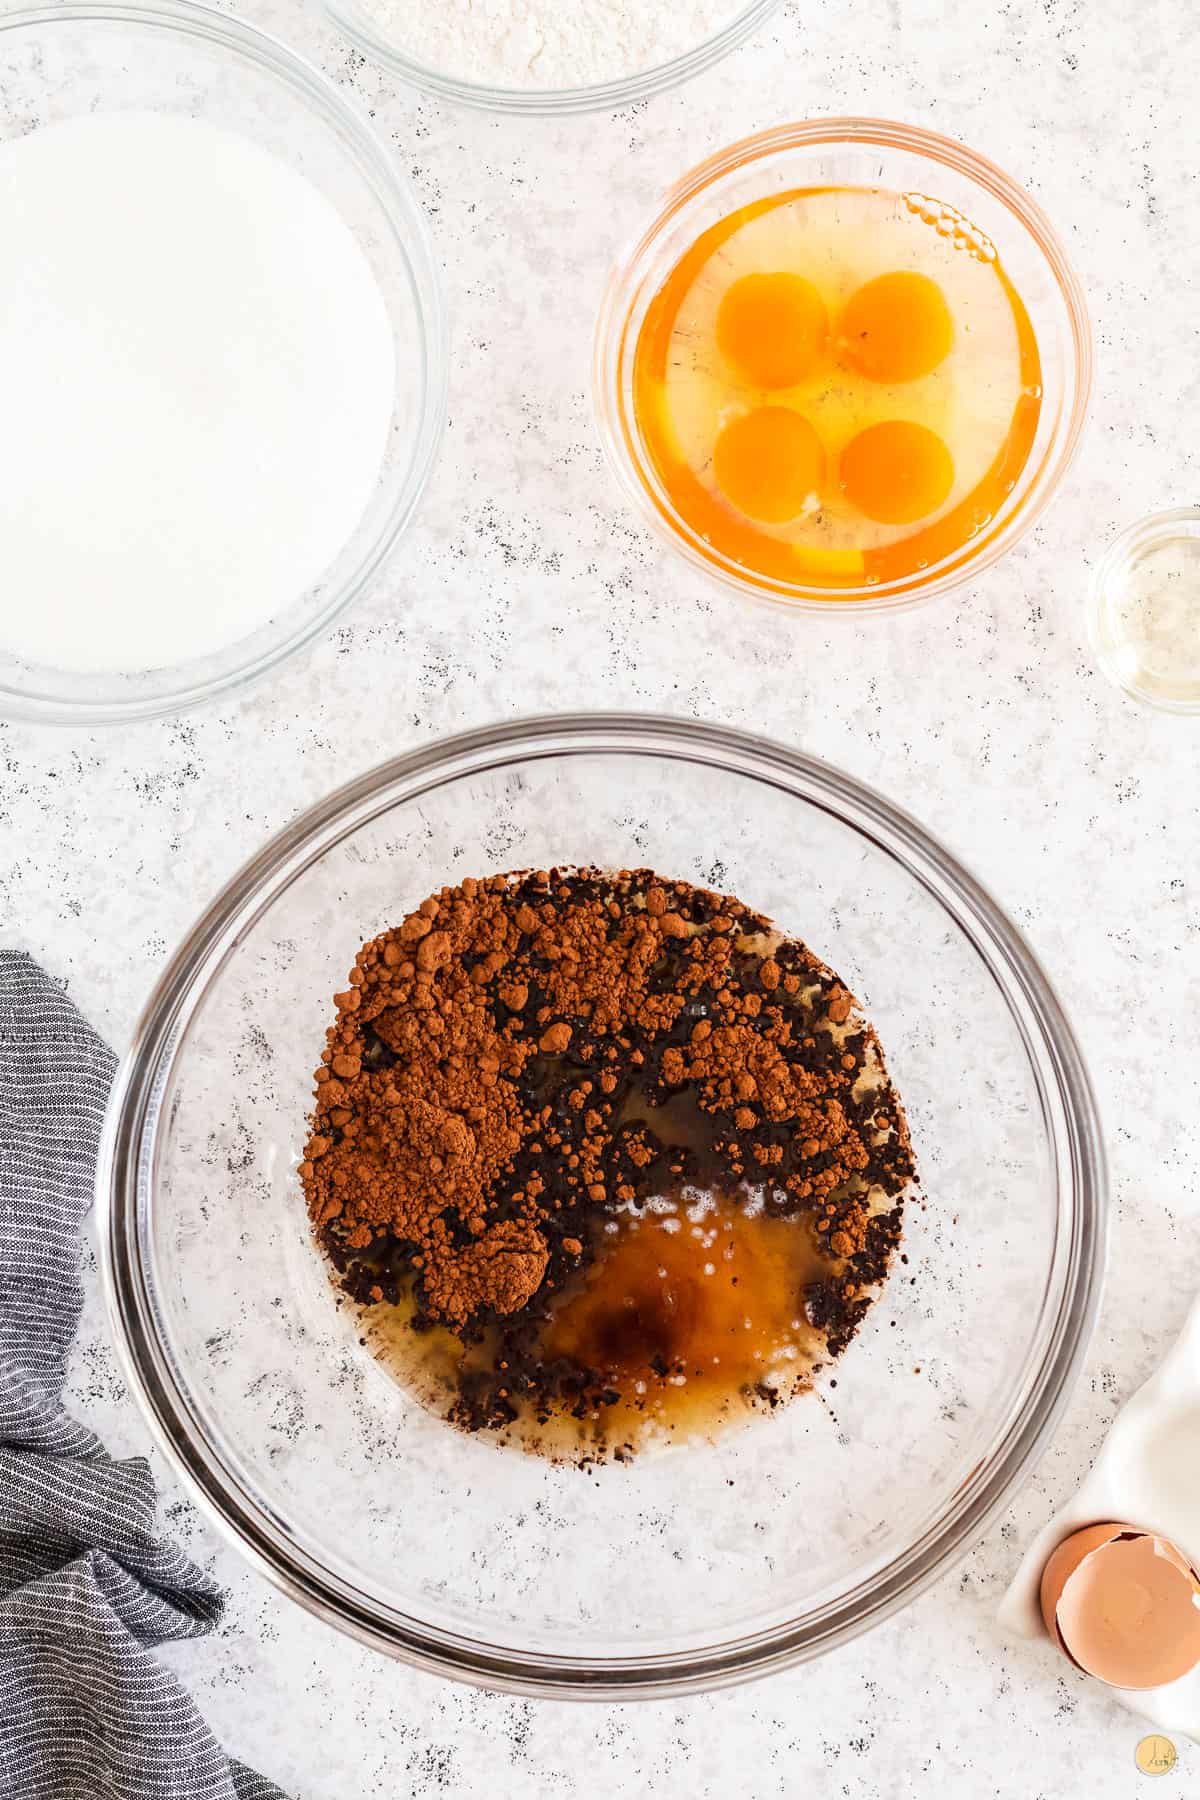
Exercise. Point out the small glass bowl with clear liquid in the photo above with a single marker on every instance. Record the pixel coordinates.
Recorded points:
(1145, 610)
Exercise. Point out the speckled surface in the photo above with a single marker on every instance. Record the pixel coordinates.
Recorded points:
(525, 586)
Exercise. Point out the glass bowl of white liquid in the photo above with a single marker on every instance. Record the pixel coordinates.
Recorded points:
(1145, 610)
(223, 396)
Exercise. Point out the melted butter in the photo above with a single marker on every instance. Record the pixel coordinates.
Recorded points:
(689, 1317)
(692, 1311)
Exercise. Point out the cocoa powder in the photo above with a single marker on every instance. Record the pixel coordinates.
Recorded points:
(471, 1113)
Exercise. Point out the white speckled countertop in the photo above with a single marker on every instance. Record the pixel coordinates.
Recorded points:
(525, 586)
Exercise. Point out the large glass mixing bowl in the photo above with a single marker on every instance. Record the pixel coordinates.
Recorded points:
(703, 1563)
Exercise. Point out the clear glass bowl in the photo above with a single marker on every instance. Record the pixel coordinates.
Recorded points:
(705, 1563)
(62, 61)
(1144, 614)
(604, 96)
(870, 153)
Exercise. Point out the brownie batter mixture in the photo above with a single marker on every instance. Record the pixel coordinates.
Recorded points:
(526, 1059)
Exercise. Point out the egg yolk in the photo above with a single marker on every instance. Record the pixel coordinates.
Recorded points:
(896, 472)
(772, 328)
(897, 327)
(769, 463)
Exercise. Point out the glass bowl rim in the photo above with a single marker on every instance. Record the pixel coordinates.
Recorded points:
(400, 213)
(626, 90)
(127, 1155)
(608, 354)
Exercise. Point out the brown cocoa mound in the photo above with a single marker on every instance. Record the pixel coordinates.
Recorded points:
(472, 1111)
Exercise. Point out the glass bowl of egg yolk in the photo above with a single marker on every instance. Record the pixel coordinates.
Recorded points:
(847, 363)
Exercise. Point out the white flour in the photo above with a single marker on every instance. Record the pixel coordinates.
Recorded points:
(546, 43)
(196, 388)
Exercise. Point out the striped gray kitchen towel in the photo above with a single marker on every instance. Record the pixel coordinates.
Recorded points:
(86, 1585)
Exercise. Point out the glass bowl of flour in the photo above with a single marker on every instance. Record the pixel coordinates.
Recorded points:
(222, 351)
(548, 56)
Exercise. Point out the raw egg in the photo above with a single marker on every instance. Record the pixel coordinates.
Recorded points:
(896, 472)
(769, 463)
(897, 327)
(772, 328)
(1123, 1605)
(829, 393)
